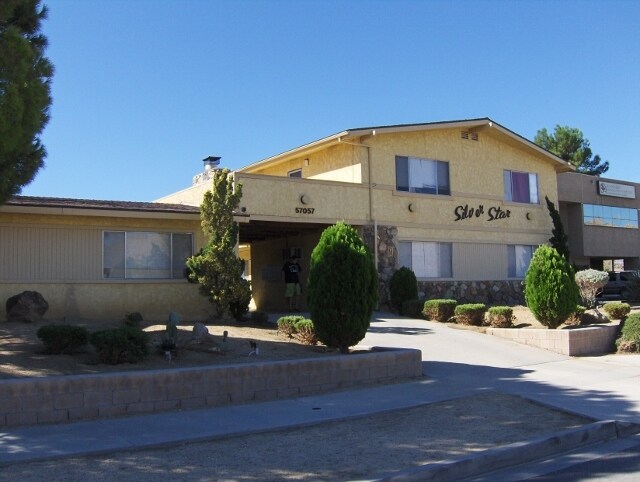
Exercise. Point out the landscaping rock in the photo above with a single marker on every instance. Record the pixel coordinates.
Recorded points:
(200, 332)
(28, 306)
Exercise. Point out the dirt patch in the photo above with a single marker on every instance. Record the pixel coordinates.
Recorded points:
(21, 352)
(353, 449)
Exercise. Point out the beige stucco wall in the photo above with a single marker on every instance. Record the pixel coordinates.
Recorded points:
(277, 198)
(100, 301)
(341, 162)
(266, 276)
(61, 257)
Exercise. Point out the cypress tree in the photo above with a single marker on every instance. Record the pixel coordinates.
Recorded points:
(343, 287)
(217, 268)
(551, 292)
(559, 240)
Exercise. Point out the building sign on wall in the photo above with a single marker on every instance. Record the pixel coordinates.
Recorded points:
(468, 212)
(616, 190)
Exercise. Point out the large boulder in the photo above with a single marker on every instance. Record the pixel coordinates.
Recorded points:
(28, 306)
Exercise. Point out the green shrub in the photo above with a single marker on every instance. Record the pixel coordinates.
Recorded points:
(120, 345)
(240, 300)
(305, 332)
(617, 310)
(133, 319)
(551, 292)
(403, 286)
(590, 283)
(439, 310)
(629, 340)
(343, 287)
(470, 314)
(500, 316)
(287, 324)
(412, 308)
(63, 339)
(260, 317)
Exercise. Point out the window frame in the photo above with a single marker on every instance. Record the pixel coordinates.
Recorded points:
(533, 187)
(296, 173)
(126, 275)
(512, 255)
(438, 187)
(610, 216)
(444, 255)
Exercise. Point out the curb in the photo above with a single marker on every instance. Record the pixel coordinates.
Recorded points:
(515, 453)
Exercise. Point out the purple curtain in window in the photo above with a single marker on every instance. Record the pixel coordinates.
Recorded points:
(520, 187)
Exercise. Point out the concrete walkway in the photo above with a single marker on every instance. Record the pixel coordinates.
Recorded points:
(457, 363)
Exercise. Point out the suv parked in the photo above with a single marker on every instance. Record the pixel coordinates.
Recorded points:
(619, 284)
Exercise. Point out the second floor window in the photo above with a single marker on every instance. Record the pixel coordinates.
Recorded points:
(521, 187)
(425, 176)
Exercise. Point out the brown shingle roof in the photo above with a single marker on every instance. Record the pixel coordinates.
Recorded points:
(54, 202)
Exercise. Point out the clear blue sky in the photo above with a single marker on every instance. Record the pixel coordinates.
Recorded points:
(145, 89)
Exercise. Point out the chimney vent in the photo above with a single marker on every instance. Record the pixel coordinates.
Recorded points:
(211, 162)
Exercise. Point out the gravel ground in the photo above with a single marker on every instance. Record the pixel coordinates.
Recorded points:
(336, 451)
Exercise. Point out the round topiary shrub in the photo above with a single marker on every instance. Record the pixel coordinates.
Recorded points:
(287, 324)
(343, 287)
(403, 286)
(305, 332)
(412, 308)
(590, 283)
(120, 345)
(500, 316)
(629, 340)
(63, 339)
(471, 314)
(551, 292)
(617, 310)
(439, 310)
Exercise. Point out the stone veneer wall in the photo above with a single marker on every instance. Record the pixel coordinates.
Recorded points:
(486, 291)
(508, 293)
(387, 256)
(71, 398)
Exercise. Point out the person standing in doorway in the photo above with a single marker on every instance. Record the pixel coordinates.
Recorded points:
(291, 275)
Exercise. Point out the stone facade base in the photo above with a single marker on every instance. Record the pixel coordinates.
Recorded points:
(590, 340)
(59, 399)
(508, 293)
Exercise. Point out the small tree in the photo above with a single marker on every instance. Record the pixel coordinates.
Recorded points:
(217, 268)
(590, 283)
(403, 286)
(551, 292)
(343, 287)
(559, 240)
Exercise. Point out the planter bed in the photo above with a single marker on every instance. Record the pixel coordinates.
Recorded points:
(71, 398)
(588, 340)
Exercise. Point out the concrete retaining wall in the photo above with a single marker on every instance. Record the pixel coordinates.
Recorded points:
(30, 401)
(590, 340)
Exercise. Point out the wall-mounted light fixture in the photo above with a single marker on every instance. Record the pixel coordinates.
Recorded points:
(304, 199)
(306, 161)
(411, 207)
(529, 216)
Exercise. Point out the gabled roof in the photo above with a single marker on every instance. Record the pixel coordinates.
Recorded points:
(472, 124)
(53, 202)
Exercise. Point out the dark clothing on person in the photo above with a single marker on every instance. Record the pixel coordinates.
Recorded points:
(291, 270)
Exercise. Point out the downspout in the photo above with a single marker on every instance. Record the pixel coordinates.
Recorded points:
(372, 220)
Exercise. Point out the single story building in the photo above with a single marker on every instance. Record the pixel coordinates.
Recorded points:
(98, 260)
